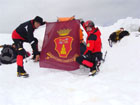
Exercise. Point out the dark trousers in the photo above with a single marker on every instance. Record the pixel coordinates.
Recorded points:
(20, 55)
(82, 48)
(90, 61)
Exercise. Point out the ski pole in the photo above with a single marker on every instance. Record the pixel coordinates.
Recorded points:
(104, 57)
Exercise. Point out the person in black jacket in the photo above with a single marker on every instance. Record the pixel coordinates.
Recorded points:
(24, 33)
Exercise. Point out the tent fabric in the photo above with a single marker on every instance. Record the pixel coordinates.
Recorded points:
(62, 19)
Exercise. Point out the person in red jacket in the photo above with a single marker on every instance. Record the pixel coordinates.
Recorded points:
(92, 56)
(24, 33)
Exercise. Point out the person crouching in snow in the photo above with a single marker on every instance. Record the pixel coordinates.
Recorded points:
(24, 33)
(92, 55)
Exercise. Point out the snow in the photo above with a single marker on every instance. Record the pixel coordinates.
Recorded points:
(117, 83)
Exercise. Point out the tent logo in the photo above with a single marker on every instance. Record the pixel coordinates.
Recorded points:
(63, 44)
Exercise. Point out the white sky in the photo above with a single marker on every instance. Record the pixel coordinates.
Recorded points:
(102, 12)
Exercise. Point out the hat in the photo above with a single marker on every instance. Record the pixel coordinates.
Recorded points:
(38, 19)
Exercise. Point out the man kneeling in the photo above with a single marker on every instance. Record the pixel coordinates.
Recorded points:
(92, 56)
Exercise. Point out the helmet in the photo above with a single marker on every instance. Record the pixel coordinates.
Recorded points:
(89, 23)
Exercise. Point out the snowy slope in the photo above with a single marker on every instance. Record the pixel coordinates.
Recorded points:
(118, 83)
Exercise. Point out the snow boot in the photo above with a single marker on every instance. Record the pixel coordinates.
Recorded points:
(25, 75)
(93, 72)
(21, 72)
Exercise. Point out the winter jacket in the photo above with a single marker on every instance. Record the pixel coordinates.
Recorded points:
(24, 32)
(93, 41)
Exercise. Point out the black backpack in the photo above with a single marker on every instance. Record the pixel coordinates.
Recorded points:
(8, 55)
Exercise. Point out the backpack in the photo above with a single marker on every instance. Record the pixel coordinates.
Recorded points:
(123, 34)
(8, 55)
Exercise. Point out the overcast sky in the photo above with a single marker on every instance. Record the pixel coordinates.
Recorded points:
(102, 12)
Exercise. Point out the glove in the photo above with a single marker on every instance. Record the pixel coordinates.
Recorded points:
(37, 58)
(88, 54)
(84, 56)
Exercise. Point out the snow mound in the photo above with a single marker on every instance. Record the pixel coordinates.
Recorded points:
(129, 24)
